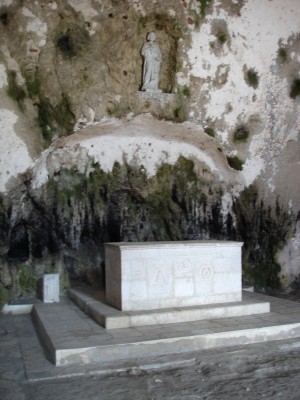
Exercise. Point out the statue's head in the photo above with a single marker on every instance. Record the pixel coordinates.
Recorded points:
(151, 36)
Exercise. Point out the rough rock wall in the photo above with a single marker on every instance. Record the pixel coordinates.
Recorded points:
(229, 67)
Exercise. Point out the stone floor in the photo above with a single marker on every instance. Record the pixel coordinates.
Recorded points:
(71, 337)
(257, 371)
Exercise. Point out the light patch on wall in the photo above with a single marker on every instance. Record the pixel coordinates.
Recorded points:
(136, 149)
(289, 256)
(53, 5)
(6, 3)
(14, 158)
(182, 79)
(226, 205)
(3, 76)
(84, 7)
(140, 141)
(35, 25)
(136, 4)
(171, 12)
(252, 169)
(39, 171)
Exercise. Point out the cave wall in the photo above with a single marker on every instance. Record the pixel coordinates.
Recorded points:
(230, 77)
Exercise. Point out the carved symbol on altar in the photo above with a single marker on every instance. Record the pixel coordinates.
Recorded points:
(160, 278)
(207, 273)
(183, 268)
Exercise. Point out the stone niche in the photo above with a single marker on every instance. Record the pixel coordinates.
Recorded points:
(156, 275)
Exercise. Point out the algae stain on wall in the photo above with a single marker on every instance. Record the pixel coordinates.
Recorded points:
(253, 80)
(69, 218)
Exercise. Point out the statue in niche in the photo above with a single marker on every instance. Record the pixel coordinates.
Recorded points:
(152, 59)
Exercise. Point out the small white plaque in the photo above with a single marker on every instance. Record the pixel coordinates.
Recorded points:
(51, 288)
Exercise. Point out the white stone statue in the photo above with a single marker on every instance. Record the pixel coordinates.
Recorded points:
(152, 59)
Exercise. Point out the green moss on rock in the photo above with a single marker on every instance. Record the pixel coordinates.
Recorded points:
(76, 213)
(241, 134)
(222, 37)
(33, 85)
(136, 207)
(180, 113)
(15, 91)
(203, 4)
(282, 54)
(4, 296)
(52, 119)
(235, 163)
(186, 91)
(252, 78)
(46, 119)
(264, 231)
(64, 114)
(27, 280)
(210, 131)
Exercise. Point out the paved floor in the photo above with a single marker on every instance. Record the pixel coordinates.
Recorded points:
(73, 338)
(269, 370)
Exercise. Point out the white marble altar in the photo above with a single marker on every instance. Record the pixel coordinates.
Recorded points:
(156, 275)
(51, 288)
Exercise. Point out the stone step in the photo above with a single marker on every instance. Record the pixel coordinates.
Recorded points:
(71, 337)
(92, 302)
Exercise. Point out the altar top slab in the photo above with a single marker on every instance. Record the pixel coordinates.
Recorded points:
(204, 243)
